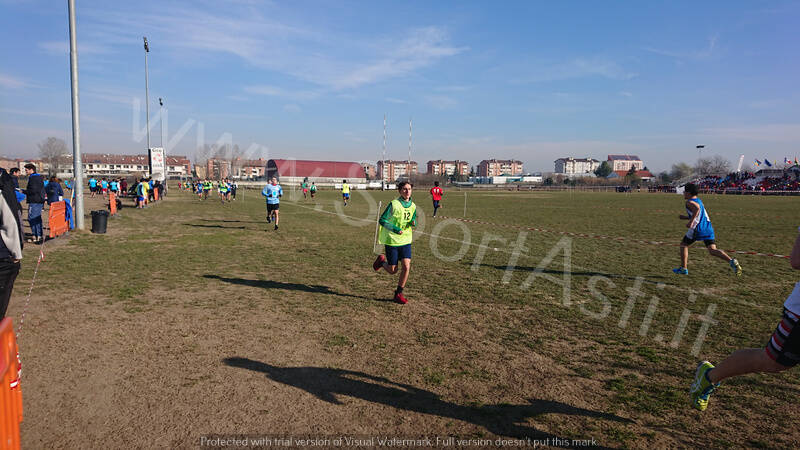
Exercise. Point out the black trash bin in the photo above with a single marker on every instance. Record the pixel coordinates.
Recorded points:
(99, 221)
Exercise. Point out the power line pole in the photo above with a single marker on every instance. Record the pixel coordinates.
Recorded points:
(77, 165)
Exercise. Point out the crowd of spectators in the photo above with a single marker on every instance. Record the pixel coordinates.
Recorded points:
(749, 181)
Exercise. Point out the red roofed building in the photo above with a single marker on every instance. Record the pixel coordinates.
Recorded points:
(295, 170)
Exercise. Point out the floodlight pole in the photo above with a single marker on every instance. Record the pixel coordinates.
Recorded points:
(383, 161)
(77, 165)
(147, 95)
(161, 122)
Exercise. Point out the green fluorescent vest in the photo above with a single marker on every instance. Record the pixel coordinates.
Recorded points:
(401, 217)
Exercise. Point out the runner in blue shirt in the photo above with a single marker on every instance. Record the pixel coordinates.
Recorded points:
(273, 193)
(92, 186)
(700, 229)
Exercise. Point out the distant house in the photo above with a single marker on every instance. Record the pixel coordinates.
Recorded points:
(645, 175)
(369, 170)
(625, 162)
(441, 167)
(576, 167)
(249, 169)
(104, 164)
(391, 170)
(498, 167)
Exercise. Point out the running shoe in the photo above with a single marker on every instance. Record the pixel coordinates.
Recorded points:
(737, 269)
(681, 271)
(378, 262)
(398, 297)
(702, 388)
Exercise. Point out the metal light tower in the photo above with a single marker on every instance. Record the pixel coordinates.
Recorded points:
(77, 165)
(700, 150)
(408, 163)
(147, 92)
(383, 165)
(161, 121)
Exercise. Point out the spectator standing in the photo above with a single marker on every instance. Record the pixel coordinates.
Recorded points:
(54, 191)
(14, 172)
(35, 197)
(10, 239)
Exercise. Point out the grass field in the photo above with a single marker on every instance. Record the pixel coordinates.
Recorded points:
(191, 319)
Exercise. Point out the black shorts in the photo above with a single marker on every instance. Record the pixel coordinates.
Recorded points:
(393, 254)
(273, 207)
(784, 345)
(686, 241)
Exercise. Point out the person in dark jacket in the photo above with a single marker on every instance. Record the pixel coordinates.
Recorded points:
(14, 172)
(54, 191)
(10, 239)
(35, 194)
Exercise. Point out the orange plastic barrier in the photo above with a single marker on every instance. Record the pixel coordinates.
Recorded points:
(112, 203)
(10, 390)
(58, 219)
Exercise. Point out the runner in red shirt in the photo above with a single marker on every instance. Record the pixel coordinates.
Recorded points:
(436, 193)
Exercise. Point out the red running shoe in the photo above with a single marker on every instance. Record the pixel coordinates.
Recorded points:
(378, 262)
(400, 299)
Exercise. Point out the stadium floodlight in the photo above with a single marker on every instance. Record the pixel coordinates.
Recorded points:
(146, 92)
(77, 164)
(161, 121)
(700, 150)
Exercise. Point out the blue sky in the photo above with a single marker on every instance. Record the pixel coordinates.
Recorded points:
(530, 80)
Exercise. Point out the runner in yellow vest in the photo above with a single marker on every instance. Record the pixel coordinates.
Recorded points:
(396, 234)
(345, 192)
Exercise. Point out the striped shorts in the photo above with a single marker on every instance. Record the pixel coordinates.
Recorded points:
(784, 345)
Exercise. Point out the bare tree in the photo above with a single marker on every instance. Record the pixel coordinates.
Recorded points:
(716, 165)
(52, 151)
(680, 170)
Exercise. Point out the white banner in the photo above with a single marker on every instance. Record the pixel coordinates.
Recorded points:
(158, 168)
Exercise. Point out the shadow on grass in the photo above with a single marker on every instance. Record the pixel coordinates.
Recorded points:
(269, 284)
(213, 226)
(233, 221)
(503, 420)
(584, 273)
